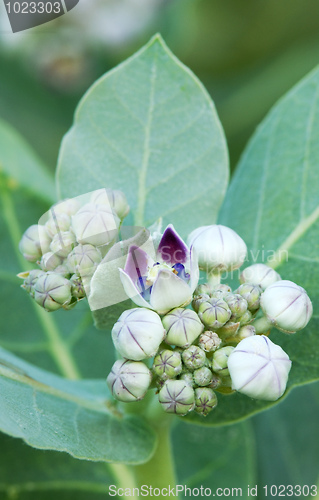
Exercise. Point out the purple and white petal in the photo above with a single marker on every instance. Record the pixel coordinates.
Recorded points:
(169, 291)
(137, 263)
(194, 269)
(132, 291)
(172, 249)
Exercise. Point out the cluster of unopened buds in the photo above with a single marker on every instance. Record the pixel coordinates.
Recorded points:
(69, 245)
(186, 340)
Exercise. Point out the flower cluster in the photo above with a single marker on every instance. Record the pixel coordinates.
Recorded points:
(69, 245)
(221, 344)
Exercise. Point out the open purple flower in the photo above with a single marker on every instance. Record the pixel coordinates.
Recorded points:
(166, 282)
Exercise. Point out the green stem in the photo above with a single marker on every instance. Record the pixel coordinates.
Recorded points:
(214, 279)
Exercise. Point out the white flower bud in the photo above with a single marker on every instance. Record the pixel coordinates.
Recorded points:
(176, 396)
(220, 361)
(215, 313)
(287, 306)
(34, 243)
(31, 277)
(245, 331)
(194, 357)
(203, 376)
(95, 224)
(138, 333)
(205, 400)
(183, 326)
(167, 364)
(52, 291)
(218, 248)
(259, 368)
(129, 380)
(57, 223)
(237, 304)
(115, 198)
(83, 260)
(50, 261)
(63, 243)
(259, 274)
(69, 207)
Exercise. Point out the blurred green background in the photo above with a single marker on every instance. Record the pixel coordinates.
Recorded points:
(247, 53)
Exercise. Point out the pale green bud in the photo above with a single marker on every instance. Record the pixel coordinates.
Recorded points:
(31, 279)
(218, 248)
(229, 329)
(245, 331)
(34, 243)
(138, 333)
(77, 289)
(63, 270)
(259, 368)
(194, 357)
(237, 304)
(204, 289)
(259, 274)
(216, 381)
(287, 306)
(176, 396)
(52, 291)
(198, 299)
(215, 313)
(203, 376)
(182, 326)
(220, 291)
(63, 243)
(83, 260)
(129, 380)
(115, 198)
(205, 400)
(167, 364)
(209, 341)
(252, 295)
(188, 378)
(66, 207)
(57, 223)
(245, 318)
(220, 360)
(50, 261)
(95, 224)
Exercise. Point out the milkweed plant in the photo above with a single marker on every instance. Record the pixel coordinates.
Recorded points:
(202, 323)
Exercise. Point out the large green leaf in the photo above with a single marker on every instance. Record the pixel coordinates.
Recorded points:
(50, 412)
(273, 204)
(149, 128)
(19, 163)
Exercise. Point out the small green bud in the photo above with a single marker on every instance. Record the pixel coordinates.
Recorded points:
(220, 360)
(95, 224)
(63, 270)
(34, 243)
(237, 304)
(50, 261)
(31, 280)
(57, 223)
(203, 376)
(245, 331)
(138, 333)
(63, 243)
(245, 318)
(176, 396)
(215, 313)
(252, 294)
(229, 329)
(167, 364)
(198, 299)
(77, 289)
(68, 206)
(220, 291)
(188, 378)
(209, 341)
(194, 357)
(216, 381)
(83, 260)
(115, 198)
(129, 380)
(52, 291)
(204, 289)
(182, 326)
(205, 400)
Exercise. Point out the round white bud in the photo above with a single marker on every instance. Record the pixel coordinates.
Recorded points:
(34, 243)
(138, 333)
(287, 306)
(259, 368)
(95, 224)
(115, 198)
(259, 274)
(50, 261)
(183, 326)
(129, 380)
(83, 260)
(218, 248)
(63, 243)
(57, 223)
(69, 207)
